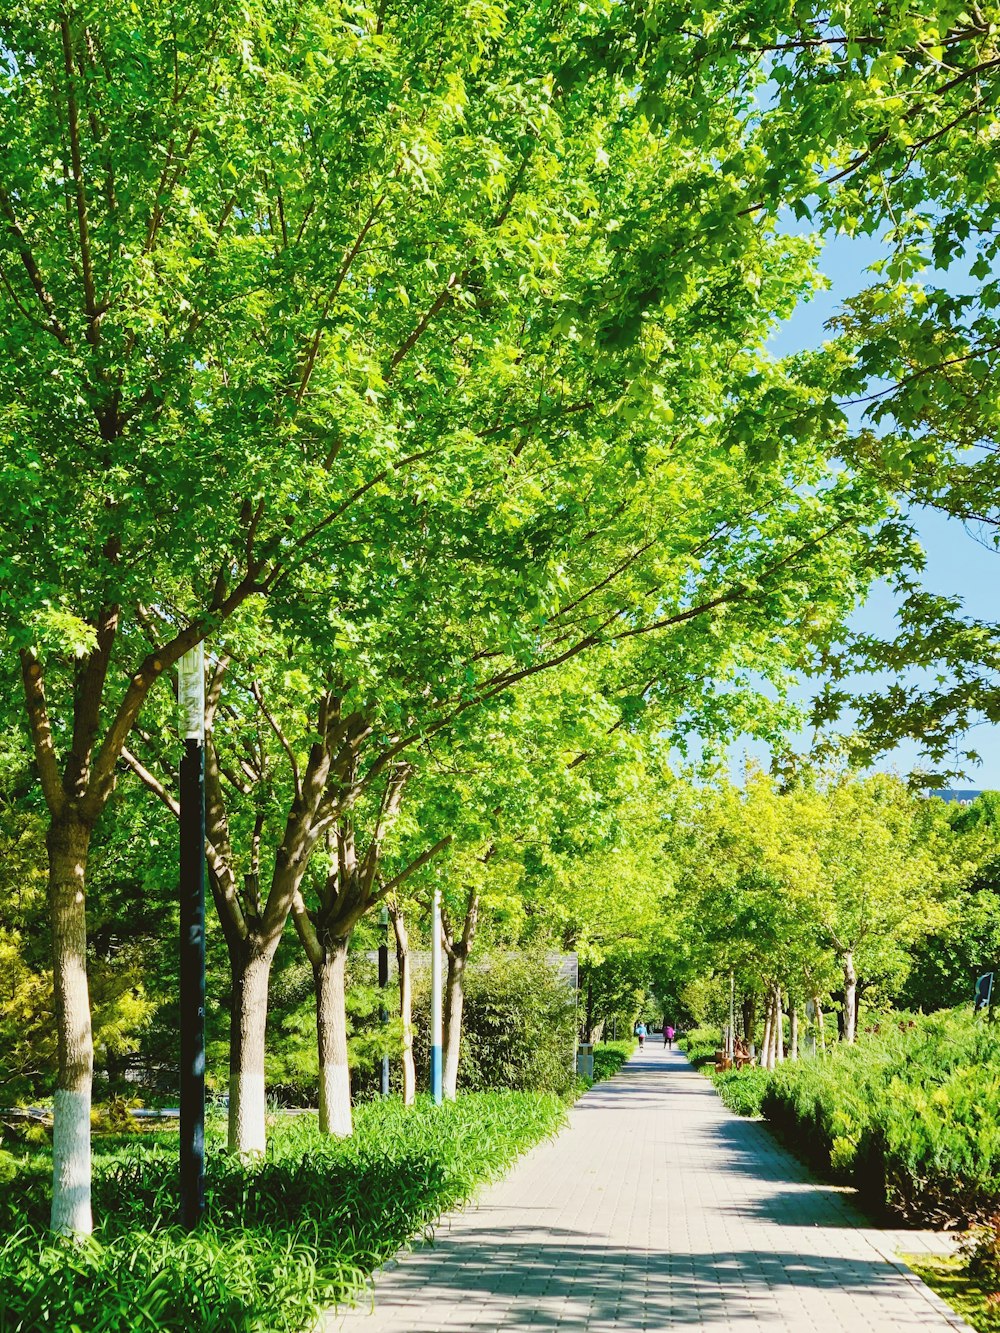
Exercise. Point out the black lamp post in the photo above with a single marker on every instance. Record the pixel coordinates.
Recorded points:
(191, 697)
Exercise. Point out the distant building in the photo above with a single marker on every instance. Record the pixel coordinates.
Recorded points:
(958, 797)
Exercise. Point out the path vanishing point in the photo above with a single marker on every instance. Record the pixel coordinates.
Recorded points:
(656, 1208)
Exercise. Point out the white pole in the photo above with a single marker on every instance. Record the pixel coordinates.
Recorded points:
(437, 1008)
(732, 1017)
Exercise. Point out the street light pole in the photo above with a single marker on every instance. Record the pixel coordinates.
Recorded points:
(437, 1008)
(732, 1016)
(191, 698)
(383, 981)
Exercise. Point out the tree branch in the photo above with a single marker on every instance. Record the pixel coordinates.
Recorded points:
(41, 732)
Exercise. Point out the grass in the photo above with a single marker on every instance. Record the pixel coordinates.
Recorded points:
(977, 1301)
(285, 1237)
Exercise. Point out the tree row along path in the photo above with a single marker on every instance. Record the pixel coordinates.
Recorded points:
(656, 1208)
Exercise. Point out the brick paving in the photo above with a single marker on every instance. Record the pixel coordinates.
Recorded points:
(656, 1209)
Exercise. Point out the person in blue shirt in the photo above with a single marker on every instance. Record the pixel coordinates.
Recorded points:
(640, 1032)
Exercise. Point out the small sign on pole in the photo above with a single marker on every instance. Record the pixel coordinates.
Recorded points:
(984, 991)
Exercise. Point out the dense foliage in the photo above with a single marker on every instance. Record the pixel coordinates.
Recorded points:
(285, 1236)
(910, 1115)
(415, 359)
(609, 1056)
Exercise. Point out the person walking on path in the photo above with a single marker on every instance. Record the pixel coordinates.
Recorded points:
(640, 1032)
(668, 1036)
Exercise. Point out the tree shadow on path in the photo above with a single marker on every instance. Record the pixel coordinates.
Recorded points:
(568, 1281)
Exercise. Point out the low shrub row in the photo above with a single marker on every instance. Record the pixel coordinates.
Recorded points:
(609, 1056)
(284, 1237)
(742, 1090)
(910, 1115)
(700, 1045)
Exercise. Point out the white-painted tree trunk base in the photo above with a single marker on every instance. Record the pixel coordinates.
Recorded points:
(409, 1078)
(335, 1101)
(247, 1111)
(71, 1211)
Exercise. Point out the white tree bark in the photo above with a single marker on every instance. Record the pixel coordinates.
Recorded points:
(779, 1028)
(71, 1213)
(247, 1101)
(331, 1032)
(850, 996)
(765, 1044)
(454, 1003)
(405, 1004)
(68, 844)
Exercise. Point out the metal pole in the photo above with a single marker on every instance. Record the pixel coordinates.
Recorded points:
(383, 981)
(732, 1017)
(191, 697)
(437, 1016)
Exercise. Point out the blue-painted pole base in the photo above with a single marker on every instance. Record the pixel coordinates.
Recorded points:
(437, 1087)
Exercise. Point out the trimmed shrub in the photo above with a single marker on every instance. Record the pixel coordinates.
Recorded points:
(742, 1090)
(910, 1116)
(609, 1056)
(700, 1045)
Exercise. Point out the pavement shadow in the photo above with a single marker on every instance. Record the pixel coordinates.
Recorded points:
(564, 1282)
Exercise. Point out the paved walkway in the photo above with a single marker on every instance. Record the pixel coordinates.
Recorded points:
(656, 1209)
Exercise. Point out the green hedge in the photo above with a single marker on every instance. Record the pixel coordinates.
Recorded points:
(284, 1238)
(609, 1056)
(910, 1116)
(742, 1090)
(700, 1045)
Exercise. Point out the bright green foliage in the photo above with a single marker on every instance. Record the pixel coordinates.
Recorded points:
(609, 1056)
(780, 884)
(946, 963)
(701, 1044)
(921, 340)
(910, 1115)
(519, 1025)
(742, 1090)
(286, 1236)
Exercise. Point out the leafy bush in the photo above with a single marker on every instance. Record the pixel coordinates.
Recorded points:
(910, 1115)
(700, 1045)
(518, 1027)
(609, 1056)
(284, 1237)
(742, 1090)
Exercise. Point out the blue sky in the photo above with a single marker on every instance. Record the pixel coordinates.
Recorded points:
(957, 564)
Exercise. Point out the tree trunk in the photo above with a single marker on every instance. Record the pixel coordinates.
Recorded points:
(331, 1032)
(820, 1028)
(749, 1016)
(765, 1042)
(850, 996)
(793, 1029)
(454, 1001)
(247, 1026)
(779, 1028)
(68, 843)
(405, 1005)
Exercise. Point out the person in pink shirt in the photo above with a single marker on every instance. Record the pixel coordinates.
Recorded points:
(668, 1036)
